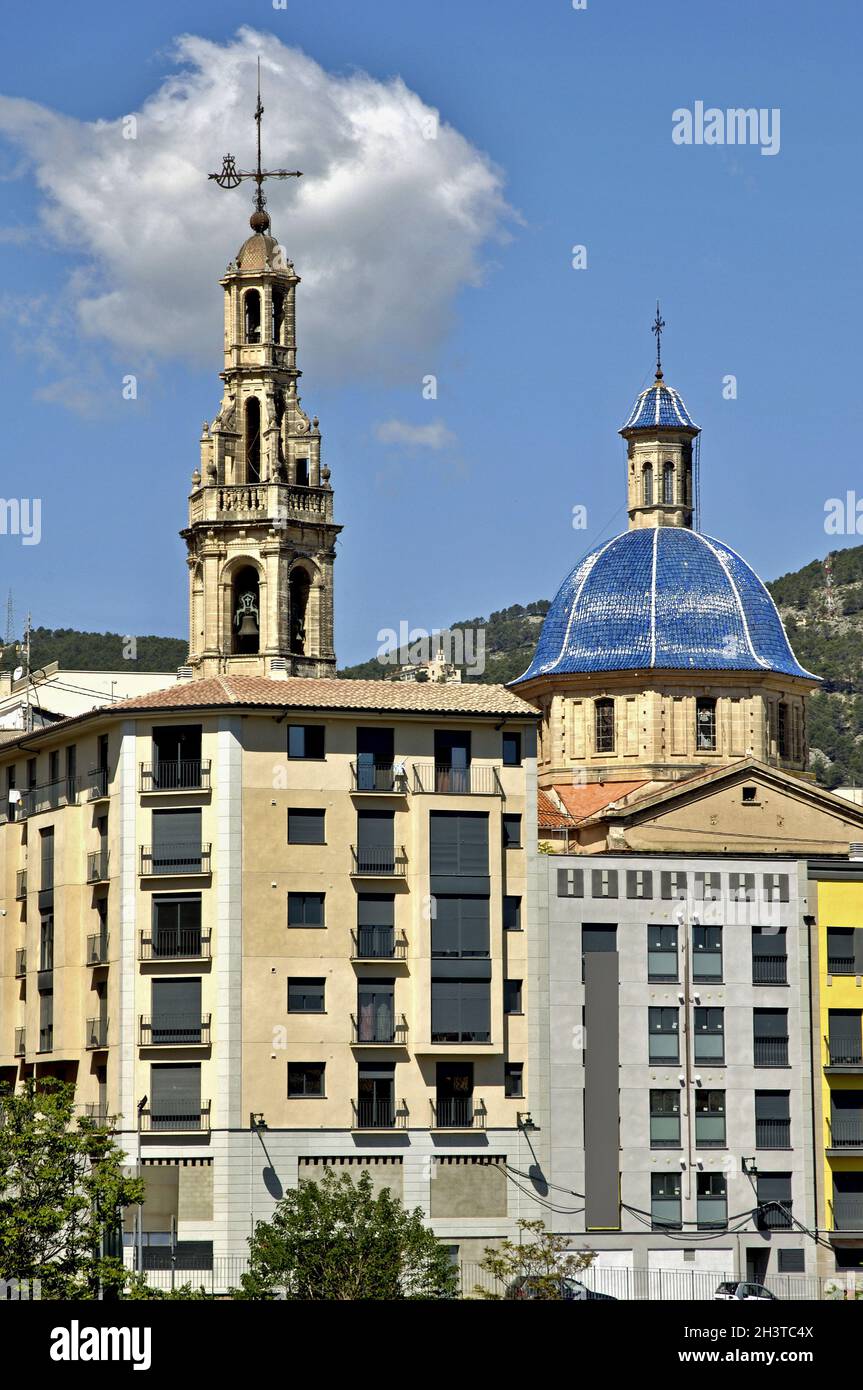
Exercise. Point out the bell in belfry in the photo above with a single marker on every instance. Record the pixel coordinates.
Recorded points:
(246, 616)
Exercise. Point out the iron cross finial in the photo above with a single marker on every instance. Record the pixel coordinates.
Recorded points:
(231, 177)
(658, 325)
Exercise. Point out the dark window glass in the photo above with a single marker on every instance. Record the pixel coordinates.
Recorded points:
(461, 1011)
(710, 1119)
(603, 712)
(709, 1030)
(306, 827)
(305, 909)
(662, 951)
(306, 1079)
(706, 954)
(705, 725)
(512, 996)
(511, 750)
(460, 927)
(511, 832)
(458, 843)
(664, 1119)
(665, 1201)
(305, 996)
(306, 741)
(513, 1079)
(511, 913)
(663, 1027)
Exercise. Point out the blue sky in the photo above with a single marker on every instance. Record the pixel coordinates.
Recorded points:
(568, 114)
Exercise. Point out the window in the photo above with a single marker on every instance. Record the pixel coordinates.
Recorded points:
(663, 1035)
(662, 952)
(769, 956)
(306, 1080)
(710, 1119)
(772, 1119)
(375, 849)
(46, 941)
(844, 1037)
(375, 926)
(176, 842)
(512, 997)
(306, 741)
(452, 761)
(176, 925)
(458, 844)
(793, 1261)
(705, 725)
(711, 1201)
(46, 845)
(31, 773)
(668, 484)
(303, 472)
(460, 927)
(647, 484)
(665, 1201)
(306, 909)
(306, 827)
(706, 954)
(511, 831)
(511, 913)
(176, 1012)
(175, 1097)
(376, 1020)
(639, 883)
(709, 1036)
(513, 1080)
(570, 883)
(782, 730)
(841, 957)
(253, 449)
(54, 766)
(773, 1194)
(306, 996)
(299, 585)
(176, 757)
(375, 754)
(461, 1011)
(375, 1108)
(750, 794)
(252, 316)
(512, 750)
(603, 883)
(603, 715)
(770, 1037)
(46, 1020)
(596, 938)
(665, 1119)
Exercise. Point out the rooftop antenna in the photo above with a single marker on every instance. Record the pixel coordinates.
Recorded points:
(10, 621)
(658, 325)
(231, 177)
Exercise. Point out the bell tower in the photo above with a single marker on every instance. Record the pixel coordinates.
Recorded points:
(261, 536)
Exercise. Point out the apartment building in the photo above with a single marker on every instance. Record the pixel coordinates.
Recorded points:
(275, 925)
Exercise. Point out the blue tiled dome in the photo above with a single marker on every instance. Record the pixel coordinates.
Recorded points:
(662, 597)
(659, 405)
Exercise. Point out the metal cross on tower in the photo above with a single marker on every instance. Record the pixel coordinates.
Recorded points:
(658, 325)
(231, 177)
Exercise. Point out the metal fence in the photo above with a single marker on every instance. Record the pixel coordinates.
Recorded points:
(672, 1285)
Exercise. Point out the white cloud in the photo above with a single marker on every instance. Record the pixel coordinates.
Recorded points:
(433, 436)
(385, 227)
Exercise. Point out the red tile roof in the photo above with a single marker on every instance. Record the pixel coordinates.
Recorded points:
(550, 815)
(586, 800)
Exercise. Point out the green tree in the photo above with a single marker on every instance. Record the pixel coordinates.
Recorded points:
(62, 1191)
(335, 1239)
(540, 1256)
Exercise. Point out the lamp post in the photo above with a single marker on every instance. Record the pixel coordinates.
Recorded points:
(139, 1243)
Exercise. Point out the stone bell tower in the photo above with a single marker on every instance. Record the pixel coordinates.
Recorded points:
(261, 536)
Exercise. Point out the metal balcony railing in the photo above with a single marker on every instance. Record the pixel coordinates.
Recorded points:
(378, 943)
(20, 1041)
(844, 1052)
(49, 796)
(770, 970)
(775, 1217)
(97, 866)
(175, 860)
(96, 1036)
(175, 943)
(772, 1134)
(97, 948)
(771, 1052)
(175, 1030)
(20, 884)
(380, 1028)
(379, 861)
(379, 777)
(457, 1112)
(841, 965)
(46, 1038)
(378, 1114)
(847, 1213)
(181, 1121)
(444, 780)
(97, 1113)
(176, 775)
(97, 784)
(846, 1134)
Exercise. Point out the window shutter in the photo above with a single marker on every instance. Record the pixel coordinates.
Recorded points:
(570, 883)
(172, 828)
(175, 1090)
(476, 1009)
(176, 1000)
(376, 910)
(375, 829)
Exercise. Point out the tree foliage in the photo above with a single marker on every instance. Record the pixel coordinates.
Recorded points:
(540, 1256)
(335, 1239)
(62, 1191)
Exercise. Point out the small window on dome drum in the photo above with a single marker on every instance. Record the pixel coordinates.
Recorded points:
(604, 726)
(705, 725)
(668, 484)
(647, 484)
(782, 730)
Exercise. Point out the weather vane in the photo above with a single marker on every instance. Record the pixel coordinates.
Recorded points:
(658, 325)
(231, 177)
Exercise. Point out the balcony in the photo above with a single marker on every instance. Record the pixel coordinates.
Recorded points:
(176, 775)
(771, 1052)
(175, 861)
(390, 779)
(379, 1030)
(378, 1114)
(376, 861)
(443, 780)
(770, 970)
(847, 1213)
(181, 943)
(772, 1134)
(378, 943)
(186, 1122)
(773, 1216)
(96, 1037)
(97, 866)
(457, 1112)
(46, 1038)
(175, 1030)
(841, 965)
(98, 1114)
(20, 1042)
(97, 948)
(846, 1138)
(844, 1055)
(258, 501)
(97, 784)
(50, 796)
(21, 885)
(20, 963)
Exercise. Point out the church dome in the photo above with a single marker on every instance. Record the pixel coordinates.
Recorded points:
(663, 598)
(256, 252)
(659, 405)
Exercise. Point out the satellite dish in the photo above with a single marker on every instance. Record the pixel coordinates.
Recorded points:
(17, 673)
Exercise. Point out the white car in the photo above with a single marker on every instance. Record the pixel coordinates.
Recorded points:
(738, 1288)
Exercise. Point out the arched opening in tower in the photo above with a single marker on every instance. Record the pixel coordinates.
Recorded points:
(246, 609)
(299, 598)
(278, 315)
(647, 485)
(253, 440)
(252, 313)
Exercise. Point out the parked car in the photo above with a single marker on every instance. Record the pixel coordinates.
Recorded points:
(526, 1286)
(739, 1288)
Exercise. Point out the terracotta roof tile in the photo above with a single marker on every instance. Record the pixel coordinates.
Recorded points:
(586, 800)
(550, 816)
